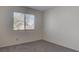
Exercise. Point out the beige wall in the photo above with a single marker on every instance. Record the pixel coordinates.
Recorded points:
(61, 26)
(8, 36)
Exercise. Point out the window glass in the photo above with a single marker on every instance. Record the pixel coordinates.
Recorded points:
(18, 21)
(23, 21)
(30, 21)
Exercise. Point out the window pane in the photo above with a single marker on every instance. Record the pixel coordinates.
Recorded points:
(18, 21)
(30, 21)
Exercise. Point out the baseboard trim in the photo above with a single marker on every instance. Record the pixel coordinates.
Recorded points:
(61, 45)
(40, 40)
(19, 43)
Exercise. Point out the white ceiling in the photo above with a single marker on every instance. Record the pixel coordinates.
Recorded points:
(41, 8)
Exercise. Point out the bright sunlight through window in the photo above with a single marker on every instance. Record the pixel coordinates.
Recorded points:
(23, 21)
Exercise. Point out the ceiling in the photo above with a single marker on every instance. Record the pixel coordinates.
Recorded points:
(41, 8)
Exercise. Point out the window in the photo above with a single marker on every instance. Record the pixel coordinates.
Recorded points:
(18, 21)
(23, 21)
(29, 21)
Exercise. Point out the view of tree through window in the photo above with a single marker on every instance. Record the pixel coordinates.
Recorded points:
(23, 21)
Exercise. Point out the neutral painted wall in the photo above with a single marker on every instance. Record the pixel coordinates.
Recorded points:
(61, 26)
(10, 37)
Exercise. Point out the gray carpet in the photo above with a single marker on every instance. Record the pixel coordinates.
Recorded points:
(37, 46)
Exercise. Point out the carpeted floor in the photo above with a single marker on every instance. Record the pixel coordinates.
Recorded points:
(37, 46)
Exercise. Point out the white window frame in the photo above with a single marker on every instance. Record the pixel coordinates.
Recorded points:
(25, 18)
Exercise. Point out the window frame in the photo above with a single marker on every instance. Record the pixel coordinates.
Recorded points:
(24, 22)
